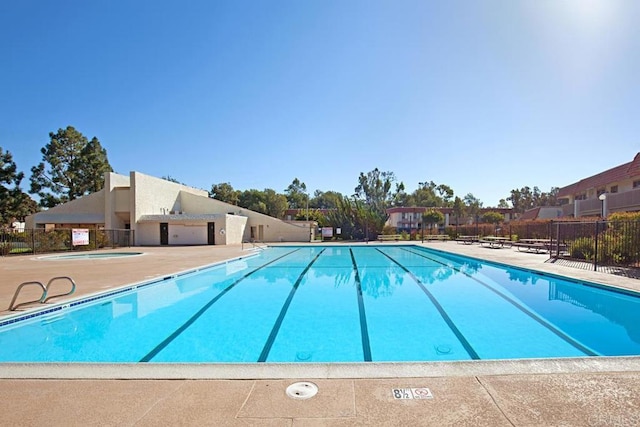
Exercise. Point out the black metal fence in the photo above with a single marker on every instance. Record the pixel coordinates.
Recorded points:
(61, 239)
(600, 243)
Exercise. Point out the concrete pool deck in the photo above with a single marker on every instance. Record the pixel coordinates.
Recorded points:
(580, 392)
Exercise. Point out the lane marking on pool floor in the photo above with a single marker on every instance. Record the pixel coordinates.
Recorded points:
(364, 329)
(443, 313)
(532, 314)
(283, 312)
(149, 356)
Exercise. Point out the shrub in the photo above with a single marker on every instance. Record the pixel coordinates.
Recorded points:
(388, 230)
(20, 251)
(624, 216)
(582, 248)
(54, 240)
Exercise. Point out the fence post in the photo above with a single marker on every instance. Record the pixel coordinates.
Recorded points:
(595, 255)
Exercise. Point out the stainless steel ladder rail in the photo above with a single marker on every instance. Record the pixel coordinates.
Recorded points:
(45, 292)
(20, 286)
(253, 244)
(45, 296)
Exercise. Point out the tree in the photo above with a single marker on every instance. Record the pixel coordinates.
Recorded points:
(296, 194)
(432, 216)
(446, 193)
(94, 165)
(253, 200)
(375, 189)
(425, 195)
(325, 199)
(267, 202)
(313, 215)
(493, 217)
(400, 196)
(225, 193)
(458, 209)
(503, 204)
(521, 199)
(75, 168)
(275, 203)
(14, 203)
(171, 179)
(525, 198)
(550, 198)
(430, 194)
(473, 205)
(357, 219)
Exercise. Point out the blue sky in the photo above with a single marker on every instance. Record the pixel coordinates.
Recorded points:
(482, 95)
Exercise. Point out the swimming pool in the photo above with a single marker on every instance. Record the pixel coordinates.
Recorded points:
(334, 304)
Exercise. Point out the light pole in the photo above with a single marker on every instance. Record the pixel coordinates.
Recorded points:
(307, 216)
(602, 198)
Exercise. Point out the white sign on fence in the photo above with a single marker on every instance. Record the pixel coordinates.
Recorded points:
(79, 236)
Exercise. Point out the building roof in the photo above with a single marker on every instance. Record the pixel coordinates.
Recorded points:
(529, 214)
(619, 173)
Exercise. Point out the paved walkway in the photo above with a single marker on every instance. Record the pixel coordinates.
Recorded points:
(575, 392)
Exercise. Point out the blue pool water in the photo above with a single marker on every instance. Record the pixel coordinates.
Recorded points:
(336, 304)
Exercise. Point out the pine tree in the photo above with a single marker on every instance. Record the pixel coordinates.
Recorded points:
(14, 203)
(71, 167)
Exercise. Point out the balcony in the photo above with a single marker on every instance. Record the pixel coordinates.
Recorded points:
(616, 202)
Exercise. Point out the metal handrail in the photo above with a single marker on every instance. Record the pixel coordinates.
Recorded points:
(20, 286)
(45, 298)
(253, 244)
(45, 291)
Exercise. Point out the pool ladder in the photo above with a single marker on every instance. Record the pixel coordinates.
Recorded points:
(45, 292)
(255, 245)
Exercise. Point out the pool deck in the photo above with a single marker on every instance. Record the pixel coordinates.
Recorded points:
(568, 392)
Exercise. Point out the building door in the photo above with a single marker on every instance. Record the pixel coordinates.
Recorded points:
(164, 233)
(211, 233)
(261, 233)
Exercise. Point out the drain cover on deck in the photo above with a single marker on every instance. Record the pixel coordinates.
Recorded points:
(302, 390)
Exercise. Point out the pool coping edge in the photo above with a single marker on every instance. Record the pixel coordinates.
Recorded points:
(246, 371)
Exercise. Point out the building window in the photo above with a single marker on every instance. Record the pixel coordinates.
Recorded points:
(582, 196)
(614, 189)
(636, 184)
(600, 191)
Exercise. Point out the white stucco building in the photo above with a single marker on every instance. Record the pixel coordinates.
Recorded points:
(161, 212)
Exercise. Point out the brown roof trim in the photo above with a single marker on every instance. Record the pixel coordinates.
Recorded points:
(618, 173)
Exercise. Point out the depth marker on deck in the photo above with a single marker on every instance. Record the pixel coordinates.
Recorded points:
(411, 393)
